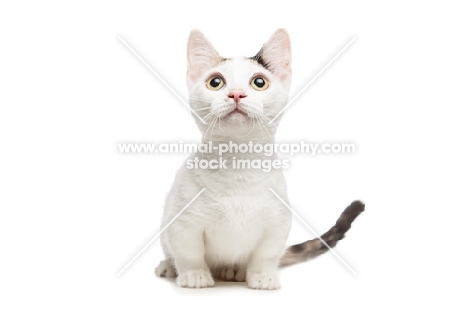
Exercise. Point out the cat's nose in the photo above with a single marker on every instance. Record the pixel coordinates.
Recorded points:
(236, 95)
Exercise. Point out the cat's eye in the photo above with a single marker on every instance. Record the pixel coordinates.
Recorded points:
(215, 83)
(259, 83)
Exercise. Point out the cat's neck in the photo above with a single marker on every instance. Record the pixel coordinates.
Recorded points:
(260, 137)
(261, 141)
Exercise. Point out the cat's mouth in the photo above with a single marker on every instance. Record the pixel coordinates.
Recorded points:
(236, 111)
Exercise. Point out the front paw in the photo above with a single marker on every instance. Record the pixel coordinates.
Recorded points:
(195, 279)
(263, 280)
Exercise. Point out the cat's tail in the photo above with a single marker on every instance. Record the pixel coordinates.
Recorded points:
(313, 248)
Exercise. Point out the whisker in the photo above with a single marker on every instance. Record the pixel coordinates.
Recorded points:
(271, 139)
(251, 129)
(203, 108)
(206, 132)
(256, 118)
(219, 125)
(269, 125)
(213, 128)
(200, 99)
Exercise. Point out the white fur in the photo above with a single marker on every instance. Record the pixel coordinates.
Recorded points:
(237, 228)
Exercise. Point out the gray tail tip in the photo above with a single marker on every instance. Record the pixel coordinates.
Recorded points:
(357, 207)
(351, 212)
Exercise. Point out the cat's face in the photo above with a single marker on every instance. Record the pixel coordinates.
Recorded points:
(238, 96)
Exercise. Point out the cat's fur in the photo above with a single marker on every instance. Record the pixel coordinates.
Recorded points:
(236, 229)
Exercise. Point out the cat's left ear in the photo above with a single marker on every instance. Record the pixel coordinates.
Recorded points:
(201, 56)
(275, 55)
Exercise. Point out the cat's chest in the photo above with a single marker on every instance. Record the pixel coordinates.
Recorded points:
(241, 197)
(234, 233)
(239, 185)
(238, 209)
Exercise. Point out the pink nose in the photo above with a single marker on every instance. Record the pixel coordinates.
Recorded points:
(236, 95)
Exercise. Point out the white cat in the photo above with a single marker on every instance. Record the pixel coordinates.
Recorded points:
(236, 229)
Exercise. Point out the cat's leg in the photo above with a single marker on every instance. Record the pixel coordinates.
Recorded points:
(166, 268)
(233, 273)
(262, 269)
(188, 249)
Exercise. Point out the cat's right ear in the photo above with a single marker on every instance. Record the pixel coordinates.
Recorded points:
(201, 56)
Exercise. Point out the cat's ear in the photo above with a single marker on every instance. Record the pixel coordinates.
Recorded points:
(275, 55)
(201, 56)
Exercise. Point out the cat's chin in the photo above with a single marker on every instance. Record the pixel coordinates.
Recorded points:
(236, 117)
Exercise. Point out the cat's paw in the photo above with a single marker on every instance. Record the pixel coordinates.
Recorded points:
(230, 274)
(263, 280)
(195, 279)
(165, 269)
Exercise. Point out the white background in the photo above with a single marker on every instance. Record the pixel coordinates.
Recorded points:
(74, 211)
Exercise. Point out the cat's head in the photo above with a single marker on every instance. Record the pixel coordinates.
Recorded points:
(238, 96)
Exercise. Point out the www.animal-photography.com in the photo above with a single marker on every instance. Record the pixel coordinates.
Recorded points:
(233, 155)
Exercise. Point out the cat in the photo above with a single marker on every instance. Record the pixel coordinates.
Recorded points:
(236, 230)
